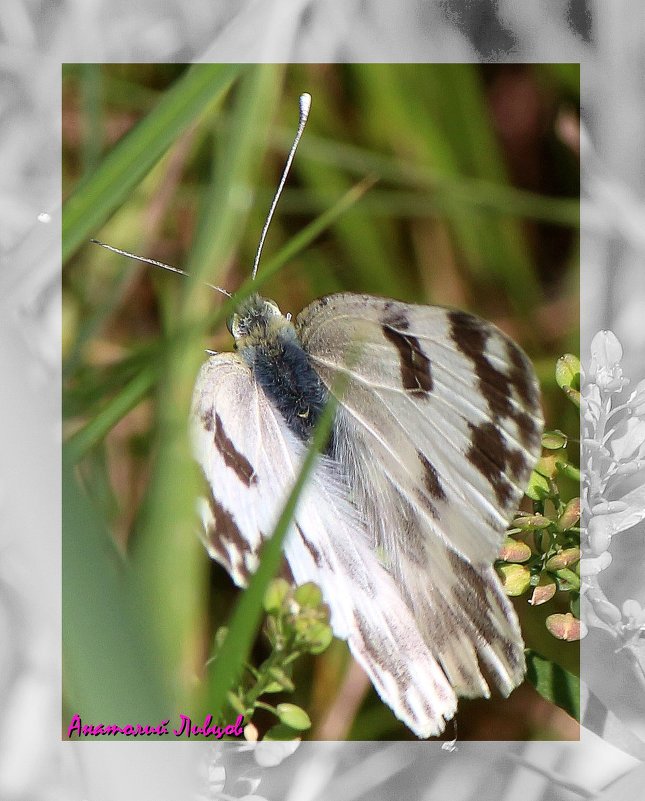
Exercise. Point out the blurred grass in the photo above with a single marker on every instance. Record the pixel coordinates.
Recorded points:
(444, 221)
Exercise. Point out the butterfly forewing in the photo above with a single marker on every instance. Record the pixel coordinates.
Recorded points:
(250, 459)
(439, 428)
(448, 404)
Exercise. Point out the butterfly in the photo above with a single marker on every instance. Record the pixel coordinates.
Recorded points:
(435, 434)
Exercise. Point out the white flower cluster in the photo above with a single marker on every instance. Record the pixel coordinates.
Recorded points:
(613, 450)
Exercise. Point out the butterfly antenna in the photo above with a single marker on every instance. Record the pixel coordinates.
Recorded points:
(156, 263)
(305, 105)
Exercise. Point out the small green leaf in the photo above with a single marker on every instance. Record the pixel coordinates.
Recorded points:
(567, 372)
(570, 515)
(281, 732)
(514, 551)
(554, 440)
(274, 687)
(568, 580)
(565, 558)
(538, 488)
(320, 640)
(293, 716)
(544, 591)
(516, 579)
(533, 522)
(275, 595)
(554, 683)
(308, 595)
(564, 627)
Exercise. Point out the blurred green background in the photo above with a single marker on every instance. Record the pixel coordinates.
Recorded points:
(474, 203)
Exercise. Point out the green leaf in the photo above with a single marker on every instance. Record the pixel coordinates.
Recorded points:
(568, 580)
(564, 627)
(554, 440)
(516, 579)
(281, 680)
(554, 683)
(533, 522)
(544, 590)
(565, 558)
(275, 595)
(513, 551)
(281, 732)
(567, 372)
(293, 716)
(538, 488)
(308, 595)
(570, 515)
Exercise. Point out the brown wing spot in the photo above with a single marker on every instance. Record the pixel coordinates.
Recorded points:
(238, 463)
(431, 479)
(432, 486)
(521, 375)
(492, 457)
(226, 531)
(416, 375)
(471, 335)
(394, 316)
(527, 390)
(315, 554)
(207, 419)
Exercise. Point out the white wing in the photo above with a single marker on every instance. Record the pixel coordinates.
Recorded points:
(251, 459)
(438, 431)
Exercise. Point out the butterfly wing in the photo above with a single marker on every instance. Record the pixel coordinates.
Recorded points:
(438, 430)
(250, 459)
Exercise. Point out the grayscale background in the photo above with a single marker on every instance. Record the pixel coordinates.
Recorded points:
(36, 37)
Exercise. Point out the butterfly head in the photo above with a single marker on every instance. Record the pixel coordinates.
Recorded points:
(256, 322)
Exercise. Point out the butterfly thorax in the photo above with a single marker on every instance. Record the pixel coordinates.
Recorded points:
(269, 344)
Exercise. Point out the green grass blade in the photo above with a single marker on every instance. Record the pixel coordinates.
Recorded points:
(111, 671)
(101, 193)
(554, 683)
(168, 558)
(114, 410)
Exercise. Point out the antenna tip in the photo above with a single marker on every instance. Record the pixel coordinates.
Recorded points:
(305, 103)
